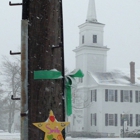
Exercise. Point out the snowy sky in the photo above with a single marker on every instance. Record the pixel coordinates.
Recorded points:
(122, 30)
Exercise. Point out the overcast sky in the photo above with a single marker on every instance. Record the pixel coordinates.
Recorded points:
(121, 34)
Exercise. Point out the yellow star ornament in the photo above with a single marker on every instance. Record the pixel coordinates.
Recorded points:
(52, 128)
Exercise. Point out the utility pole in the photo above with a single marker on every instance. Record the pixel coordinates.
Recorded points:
(45, 52)
(24, 70)
(42, 49)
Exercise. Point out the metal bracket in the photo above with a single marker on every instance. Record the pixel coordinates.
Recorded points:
(12, 97)
(14, 4)
(56, 46)
(17, 53)
(23, 114)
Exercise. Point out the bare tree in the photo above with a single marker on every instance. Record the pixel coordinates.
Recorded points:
(11, 76)
(2, 118)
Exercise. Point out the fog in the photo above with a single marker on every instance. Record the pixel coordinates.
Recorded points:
(121, 34)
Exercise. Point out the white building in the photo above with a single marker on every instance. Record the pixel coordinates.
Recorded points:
(102, 100)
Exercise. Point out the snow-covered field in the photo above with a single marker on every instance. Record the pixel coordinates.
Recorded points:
(8, 136)
(16, 136)
(69, 138)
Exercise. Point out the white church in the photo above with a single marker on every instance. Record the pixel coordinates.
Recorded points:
(104, 102)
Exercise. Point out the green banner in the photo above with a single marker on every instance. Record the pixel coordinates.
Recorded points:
(47, 74)
(68, 84)
(54, 74)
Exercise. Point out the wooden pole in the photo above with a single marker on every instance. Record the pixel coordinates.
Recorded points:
(45, 52)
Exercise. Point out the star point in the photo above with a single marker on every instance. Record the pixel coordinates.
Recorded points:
(52, 127)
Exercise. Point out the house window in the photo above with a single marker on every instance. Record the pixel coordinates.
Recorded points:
(93, 95)
(93, 120)
(83, 39)
(128, 118)
(110, 95)
(137, 119)
(94, 38)
(137, 96)
(126, 96)
(111, 119)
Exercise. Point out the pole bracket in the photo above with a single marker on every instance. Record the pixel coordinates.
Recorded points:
(12, 97)
(14, 4)
(57, 46)
(15, 53)
(23, 114)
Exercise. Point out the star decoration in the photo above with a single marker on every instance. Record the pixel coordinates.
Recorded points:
(52, 128)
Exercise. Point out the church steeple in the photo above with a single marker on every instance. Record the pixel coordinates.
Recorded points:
(91, 54)
(91, 14)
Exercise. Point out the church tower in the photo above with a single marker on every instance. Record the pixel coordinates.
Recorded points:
(91, 54)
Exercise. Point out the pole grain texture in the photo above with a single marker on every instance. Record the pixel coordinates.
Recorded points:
(45, 52)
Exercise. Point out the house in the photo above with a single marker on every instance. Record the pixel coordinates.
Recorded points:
(105, 103)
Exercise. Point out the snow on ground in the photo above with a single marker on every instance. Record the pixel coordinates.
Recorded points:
(69, 138)
(16, 136)
(9, 136)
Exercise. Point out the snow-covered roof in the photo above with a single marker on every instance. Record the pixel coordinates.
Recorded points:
(116, 77)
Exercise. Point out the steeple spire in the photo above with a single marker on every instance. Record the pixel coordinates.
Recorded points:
(91, 15)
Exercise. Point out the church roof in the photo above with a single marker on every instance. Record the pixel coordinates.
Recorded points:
(95, 22)
(116, 77)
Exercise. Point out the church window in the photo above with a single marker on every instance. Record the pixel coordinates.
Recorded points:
(110, 95)
(126, 96)
(128, 118)
(68, 128)
(74, 117)
(83, 39)
(93, 95)
(94, 38)
(80, 80)
(137, 96)
(111, 119)
(137, 119)
(93, 120)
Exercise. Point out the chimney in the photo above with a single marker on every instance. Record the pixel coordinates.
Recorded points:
(132, 72)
